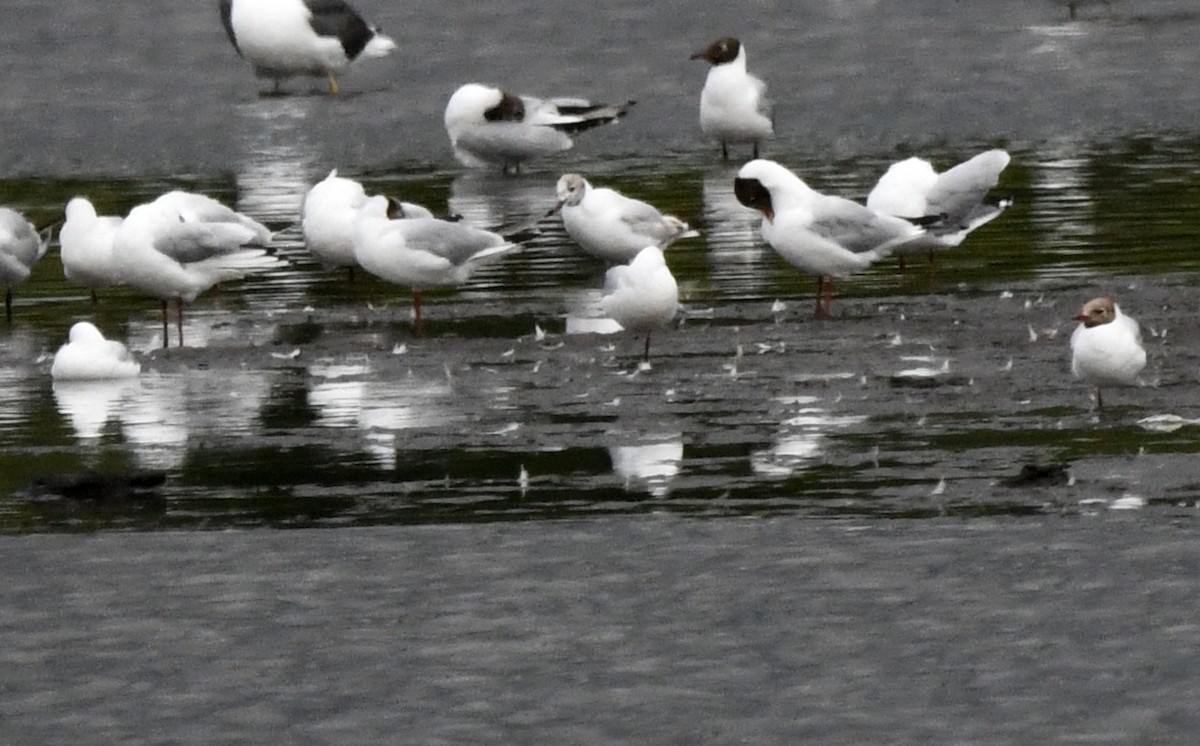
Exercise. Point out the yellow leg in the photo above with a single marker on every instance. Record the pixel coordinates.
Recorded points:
(333, 86)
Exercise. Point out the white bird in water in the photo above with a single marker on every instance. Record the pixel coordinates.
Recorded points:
(823, 235)
(21, 245)
(1106, 347)
(284, 38)
(733, 105)
(489, 126)
(610, 226)
(421, 252)
(182, 244)
(641, 296)
(87, 355)
(86, 242)
(913, 189)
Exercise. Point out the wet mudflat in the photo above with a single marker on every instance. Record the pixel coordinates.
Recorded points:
(907, 523)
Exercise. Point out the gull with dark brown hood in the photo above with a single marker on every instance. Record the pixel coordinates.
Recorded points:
(734, 107)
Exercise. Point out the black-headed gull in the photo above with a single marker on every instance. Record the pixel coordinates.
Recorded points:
(912, 188)
(610, 226)
(641, 296)
(86, 242)
(20, 247)
(284, 38)
(489, 126)
(87, 355)
(1106, 347)
(420, 252)
(329, 213)
(820, 234)
(181, 244)
(733, 105)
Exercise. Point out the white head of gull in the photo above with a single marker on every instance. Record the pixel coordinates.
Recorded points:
(86, 241)
(610, 226)
(489, 126)
(912, 188)
(823, 235)
(1106, 347)
(182, 244)
(733, 104)
(88, 356)
(420, 252)
(284, 38)
(20, 247)
(641, 296)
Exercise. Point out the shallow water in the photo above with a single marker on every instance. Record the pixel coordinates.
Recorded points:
(522, 495)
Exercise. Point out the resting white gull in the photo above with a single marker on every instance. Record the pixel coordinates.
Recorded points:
(823, 235)
(86, 242)
(489, 126)
(88, 356)
(20, 247)
(641, 296)
(420, 252)
(1106, 347)
(610, 226)
(182, 244)
(912, 188)
(733, 104)
(284, 38)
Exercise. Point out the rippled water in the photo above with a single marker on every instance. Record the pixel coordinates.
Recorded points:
(532, 572)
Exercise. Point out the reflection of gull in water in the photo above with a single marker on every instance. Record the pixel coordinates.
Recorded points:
(89, 405)
(650, 466)
(379, 409)
(273, 174)
(154, 421)
(735, 251)
(801, 437)
(489, 200)
(1062, 217)
(18, 385)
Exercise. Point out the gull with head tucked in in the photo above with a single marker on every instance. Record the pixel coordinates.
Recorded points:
(733, 105)
(21, 245)
(1106, 347)
(284, 38)
(912, 188)
(641, 296)
(181, 244)
(610, 226)
(489, 126)
(823, 235)
(88, 356)
(420, 252)
(86, 243)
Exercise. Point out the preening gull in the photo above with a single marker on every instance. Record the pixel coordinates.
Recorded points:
(610, 226)
(21, 245)
(88, 356)
(489, 126)
(733, 104)
(86, 241)
(182, 244)
(823, 235)
(641, 296)
(284, 38)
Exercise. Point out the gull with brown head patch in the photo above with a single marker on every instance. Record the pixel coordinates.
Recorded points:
(734, 106)
(489, 126)
(1106, 347)
(610, 226)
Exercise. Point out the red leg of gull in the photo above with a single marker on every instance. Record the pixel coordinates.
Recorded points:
(420, 325)
(166, 338)
(179, 319)
(646, 353)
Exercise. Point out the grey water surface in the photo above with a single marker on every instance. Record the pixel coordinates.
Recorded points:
(785, 530)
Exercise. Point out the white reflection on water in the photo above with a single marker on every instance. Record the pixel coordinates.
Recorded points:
(279, 162)
(379, 409)
(17, 382)
(801, 438)
(735, 249)
(649, 466)
(584, 315)
(213, 320)
(89, 405)
(1064, 214)
(492, 200)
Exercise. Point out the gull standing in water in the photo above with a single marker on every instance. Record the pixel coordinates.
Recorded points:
(21, 245)
(641, 296)
(823, 235)
(733, 105)
(912, 188)
(489, 126)
(284, 38)
(1106, 347)
(182, 244)
(86, 241)
(87, 355)
(420, 252)
(610, 226)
